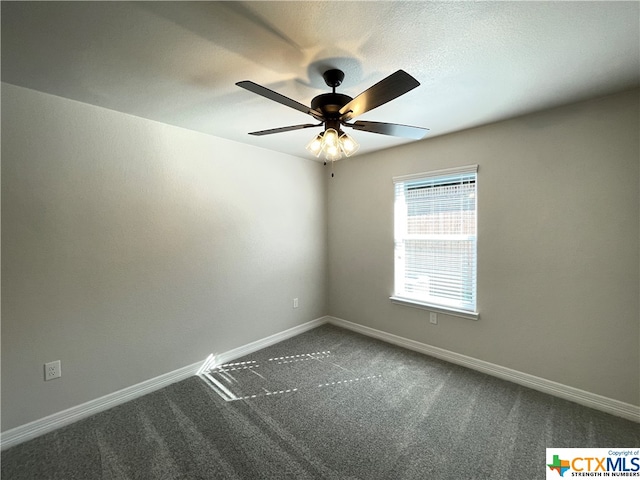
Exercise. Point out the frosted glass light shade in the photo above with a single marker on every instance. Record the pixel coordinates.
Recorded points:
(330, 139)
(348, 144)
(315, 145)
(333, 153)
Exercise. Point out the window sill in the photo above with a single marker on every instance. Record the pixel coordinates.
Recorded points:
(433, 308)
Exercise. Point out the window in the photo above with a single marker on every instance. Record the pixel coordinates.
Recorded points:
(435, 240)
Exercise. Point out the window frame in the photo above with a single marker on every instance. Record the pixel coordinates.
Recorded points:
(398, 298)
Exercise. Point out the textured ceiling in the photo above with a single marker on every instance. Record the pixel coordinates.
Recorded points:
(177, 62)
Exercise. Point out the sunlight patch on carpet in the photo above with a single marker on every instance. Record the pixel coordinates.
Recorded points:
(276, 376)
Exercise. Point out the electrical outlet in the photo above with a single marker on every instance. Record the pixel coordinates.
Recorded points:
(52, 370)
(295, 303)
(433, 318)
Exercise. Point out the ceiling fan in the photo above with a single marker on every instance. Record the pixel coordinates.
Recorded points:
(335, 110)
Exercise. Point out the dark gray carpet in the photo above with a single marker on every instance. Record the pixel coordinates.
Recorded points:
(327, 404)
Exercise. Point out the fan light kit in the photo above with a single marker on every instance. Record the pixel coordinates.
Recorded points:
(334, 110)
(333, 145)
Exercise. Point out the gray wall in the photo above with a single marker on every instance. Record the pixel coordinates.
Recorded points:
(558, 244)
(132, 248)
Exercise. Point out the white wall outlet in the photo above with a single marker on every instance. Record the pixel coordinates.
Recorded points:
(52, 370)
(295, 303)
(433, 318)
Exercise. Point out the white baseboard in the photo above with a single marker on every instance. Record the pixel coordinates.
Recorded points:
(588, 399)
(66, 417)
(50, 423)
(57, 420)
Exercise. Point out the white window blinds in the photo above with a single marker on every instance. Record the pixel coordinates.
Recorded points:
(435, 238)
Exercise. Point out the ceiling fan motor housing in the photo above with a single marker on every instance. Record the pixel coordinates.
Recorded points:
(330, 104)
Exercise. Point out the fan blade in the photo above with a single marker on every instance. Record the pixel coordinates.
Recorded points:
(276, 97)
(382, 92)
(285, 129)
(394, 129)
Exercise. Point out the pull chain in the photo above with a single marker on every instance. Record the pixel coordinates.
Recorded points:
(325, 164)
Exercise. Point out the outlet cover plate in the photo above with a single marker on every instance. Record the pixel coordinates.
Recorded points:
(52, 370)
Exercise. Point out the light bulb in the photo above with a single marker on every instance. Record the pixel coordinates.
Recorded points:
(315, 145)
(329, 138)
(333, 153)
(348, 144)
